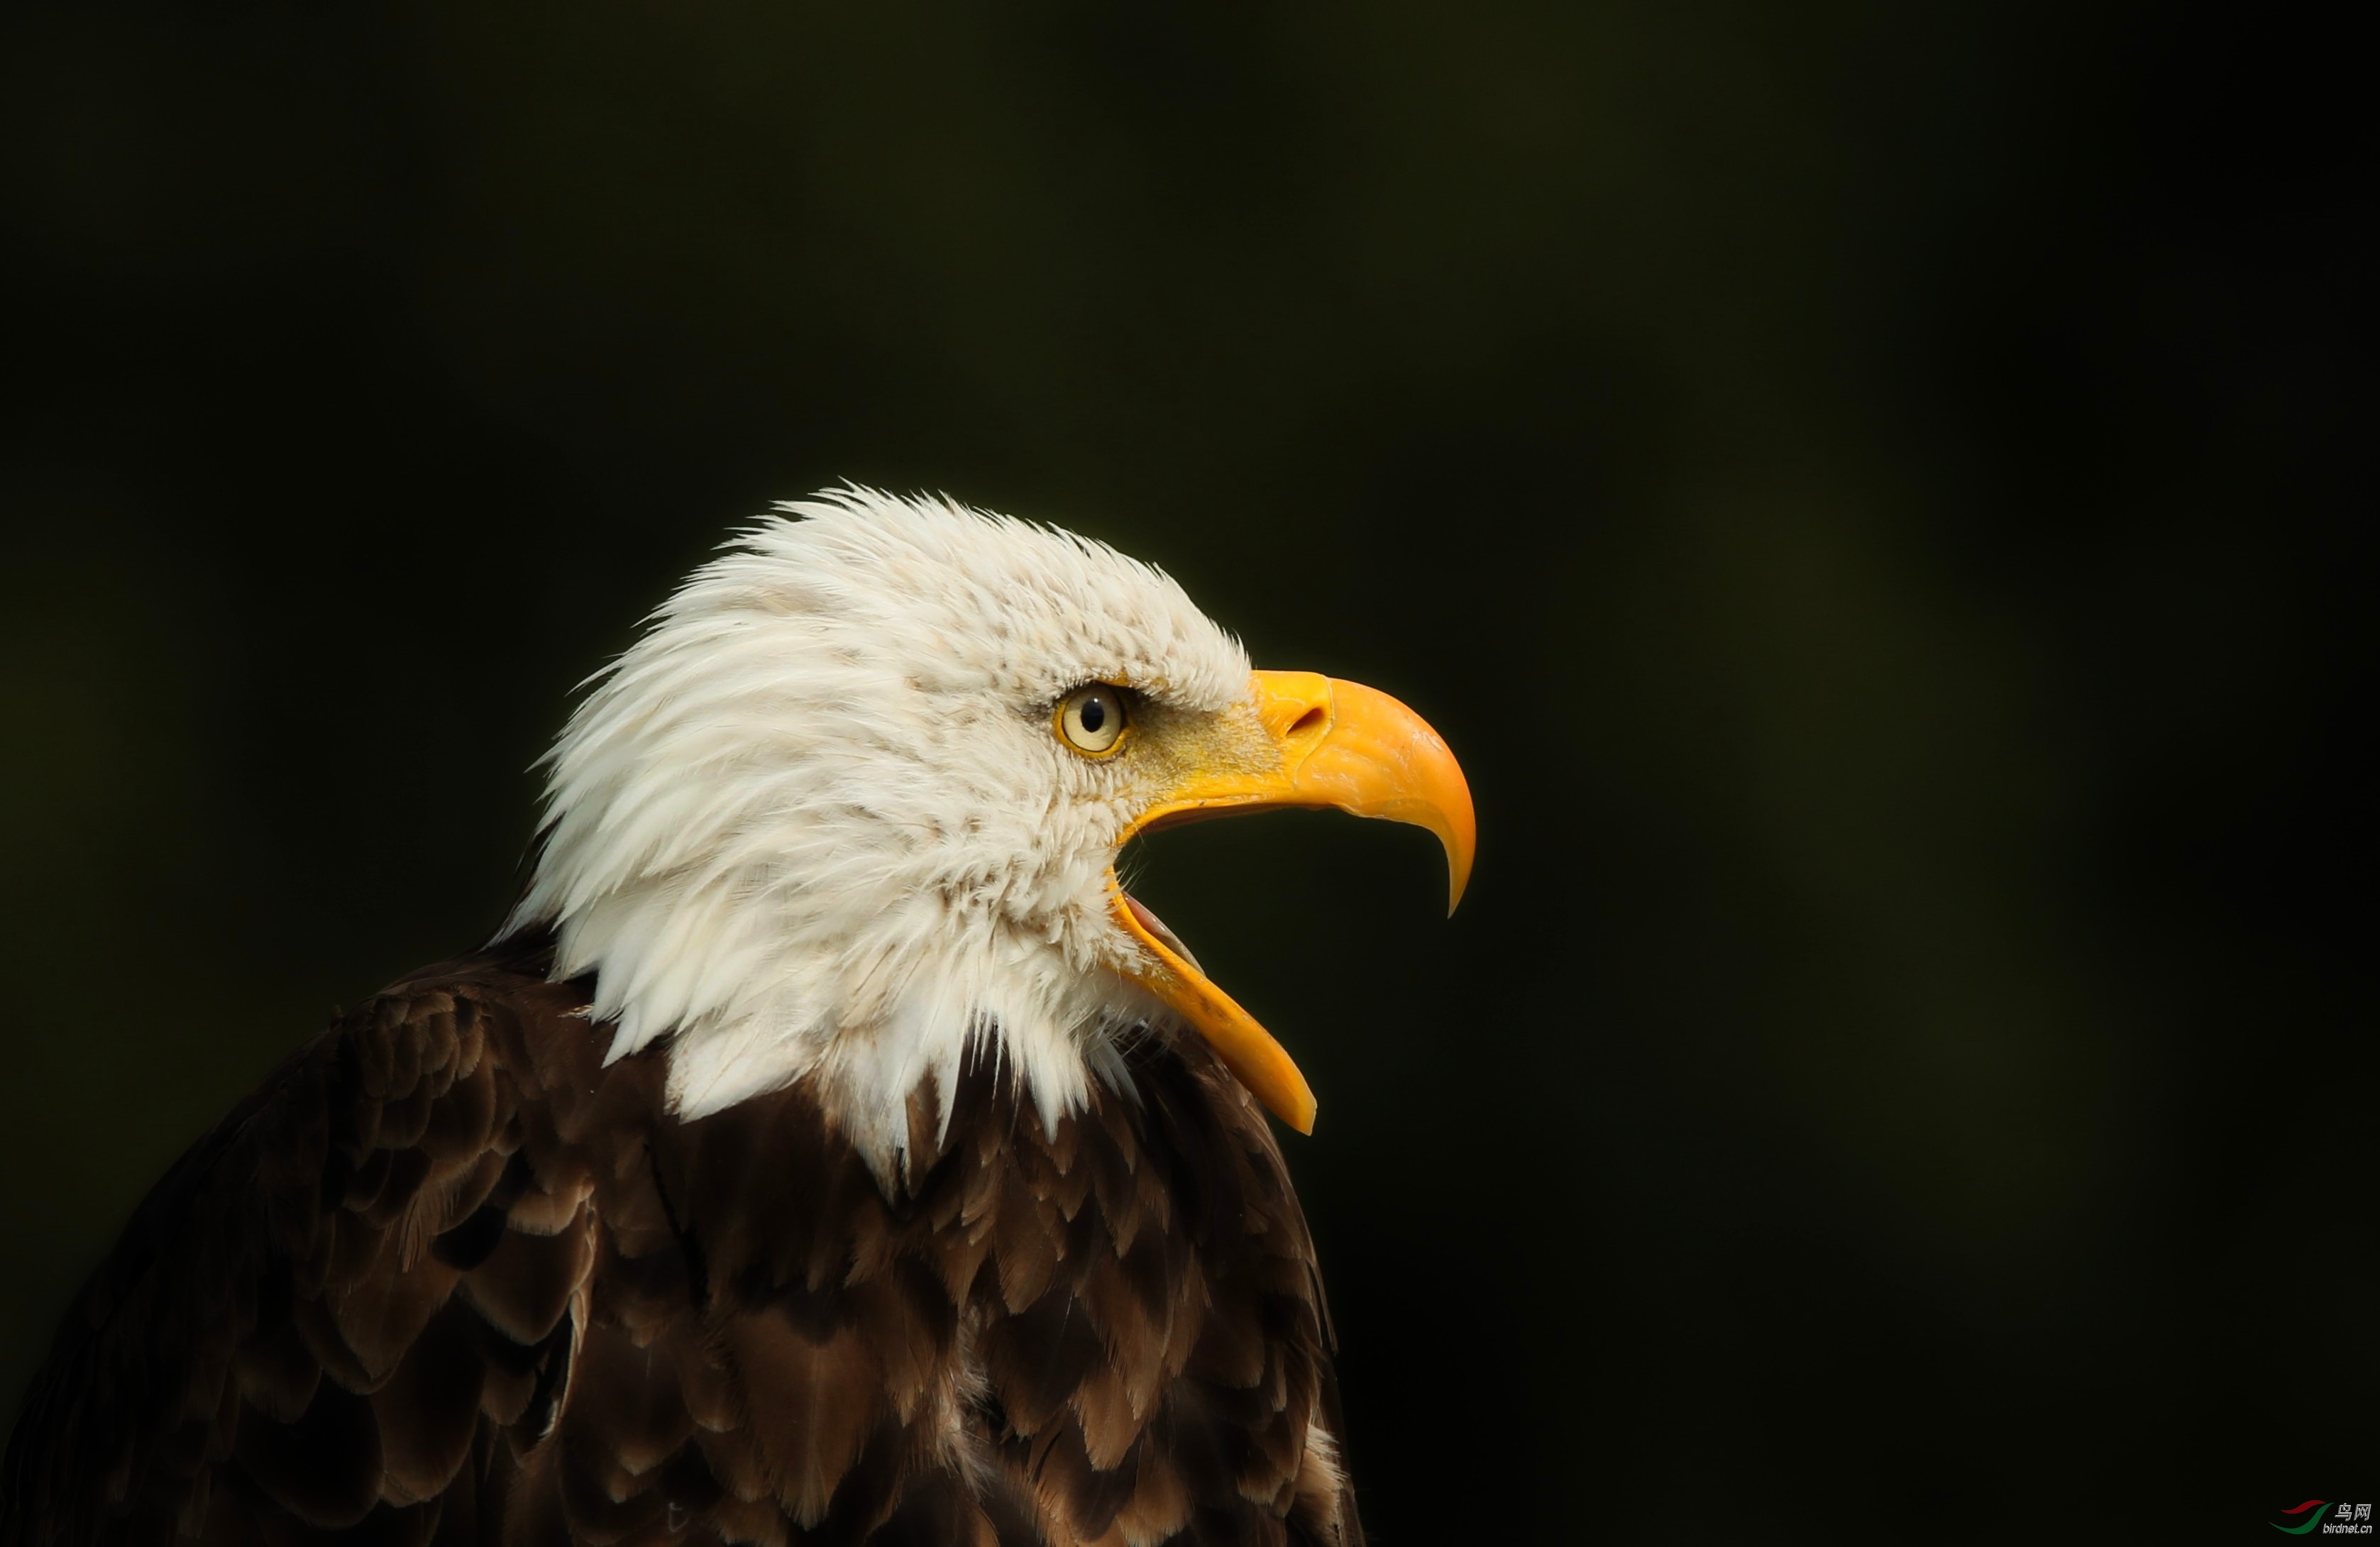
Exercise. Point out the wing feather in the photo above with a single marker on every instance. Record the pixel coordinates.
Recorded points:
(290, 1336)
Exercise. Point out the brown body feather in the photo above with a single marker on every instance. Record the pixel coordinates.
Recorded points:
(446, 1278)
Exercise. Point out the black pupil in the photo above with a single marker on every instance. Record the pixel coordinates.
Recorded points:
(1094, 714)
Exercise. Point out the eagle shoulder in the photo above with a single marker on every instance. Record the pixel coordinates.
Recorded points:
(340, 1298)
(447, 1276)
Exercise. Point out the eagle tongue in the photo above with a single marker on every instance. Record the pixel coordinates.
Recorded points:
(1156, 926)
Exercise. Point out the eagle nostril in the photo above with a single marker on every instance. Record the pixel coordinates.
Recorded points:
(1312, 720)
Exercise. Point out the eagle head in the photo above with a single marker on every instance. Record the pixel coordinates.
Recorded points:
(852, 806)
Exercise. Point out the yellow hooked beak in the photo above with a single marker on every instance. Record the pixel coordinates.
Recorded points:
(1318, 742)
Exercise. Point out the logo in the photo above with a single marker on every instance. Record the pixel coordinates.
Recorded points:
(2333, 1519)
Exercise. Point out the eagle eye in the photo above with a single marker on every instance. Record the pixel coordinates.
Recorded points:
(1091, 719)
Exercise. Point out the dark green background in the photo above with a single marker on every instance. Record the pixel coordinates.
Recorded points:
(1863, 488)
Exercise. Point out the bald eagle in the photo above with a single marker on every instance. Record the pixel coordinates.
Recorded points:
(828, 1148)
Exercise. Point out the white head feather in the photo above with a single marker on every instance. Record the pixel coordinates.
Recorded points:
(815, 821)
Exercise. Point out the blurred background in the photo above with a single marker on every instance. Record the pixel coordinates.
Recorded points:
(1864, 490)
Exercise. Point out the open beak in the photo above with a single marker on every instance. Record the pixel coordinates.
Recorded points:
(1321, 743)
